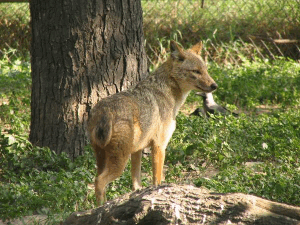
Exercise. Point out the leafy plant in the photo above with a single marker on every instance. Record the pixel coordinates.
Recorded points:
(259, 82)
(272, 181)
(36, 180)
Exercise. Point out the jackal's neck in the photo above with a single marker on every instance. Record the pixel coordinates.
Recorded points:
(171, 85)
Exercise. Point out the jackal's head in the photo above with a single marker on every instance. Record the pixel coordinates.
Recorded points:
(189, 69)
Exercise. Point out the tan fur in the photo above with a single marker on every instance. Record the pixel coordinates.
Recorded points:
(122, 125)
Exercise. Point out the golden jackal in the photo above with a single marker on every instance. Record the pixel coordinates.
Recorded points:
(123, 124)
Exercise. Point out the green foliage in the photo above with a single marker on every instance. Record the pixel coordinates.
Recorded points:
(225, 141)
(15, 83)
(259, 82)
(14, 28)
(275, 182)
(35, 180)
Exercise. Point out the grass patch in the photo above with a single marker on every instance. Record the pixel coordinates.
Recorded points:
(37, 181)
(259, 82)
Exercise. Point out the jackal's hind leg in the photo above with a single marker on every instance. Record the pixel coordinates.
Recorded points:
(110, 168)
(100, 189)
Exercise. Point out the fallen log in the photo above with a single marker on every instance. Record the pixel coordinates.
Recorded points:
(185, 204)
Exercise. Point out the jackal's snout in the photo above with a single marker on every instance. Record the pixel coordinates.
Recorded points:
(213, 86)
(206, 83)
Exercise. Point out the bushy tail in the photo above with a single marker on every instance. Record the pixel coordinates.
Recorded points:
(102, 132)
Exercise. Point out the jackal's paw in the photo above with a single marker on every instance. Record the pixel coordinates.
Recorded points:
(136, 187)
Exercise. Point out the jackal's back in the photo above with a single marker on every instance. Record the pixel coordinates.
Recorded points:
(135, 112)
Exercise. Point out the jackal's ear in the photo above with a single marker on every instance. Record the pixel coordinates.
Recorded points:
(197, 48)
(176, 51)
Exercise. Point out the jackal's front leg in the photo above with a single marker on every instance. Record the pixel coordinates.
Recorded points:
(136, 159)
(158, 158)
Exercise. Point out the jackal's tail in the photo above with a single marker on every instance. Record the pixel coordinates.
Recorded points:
(102, 132)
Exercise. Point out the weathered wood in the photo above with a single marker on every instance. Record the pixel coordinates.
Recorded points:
(174, 204)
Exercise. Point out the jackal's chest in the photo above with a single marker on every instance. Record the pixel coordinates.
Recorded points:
(159, 133)
(169, 131)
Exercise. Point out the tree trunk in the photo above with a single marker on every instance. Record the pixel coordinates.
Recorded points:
(81, 52)
(174, 204)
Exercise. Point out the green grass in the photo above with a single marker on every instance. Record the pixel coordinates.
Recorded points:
(35, 180)
(229, 143)
(259, 82)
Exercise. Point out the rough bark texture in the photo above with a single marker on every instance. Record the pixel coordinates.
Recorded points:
(174, 204)
(81, 52)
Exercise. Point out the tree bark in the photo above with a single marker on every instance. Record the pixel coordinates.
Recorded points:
(81, 51)
(174, 204)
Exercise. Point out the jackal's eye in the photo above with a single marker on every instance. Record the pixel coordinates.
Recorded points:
(196, 71)
(193, 77)
(181, 59)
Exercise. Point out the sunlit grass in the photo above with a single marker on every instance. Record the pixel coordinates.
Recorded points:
(54, 184)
